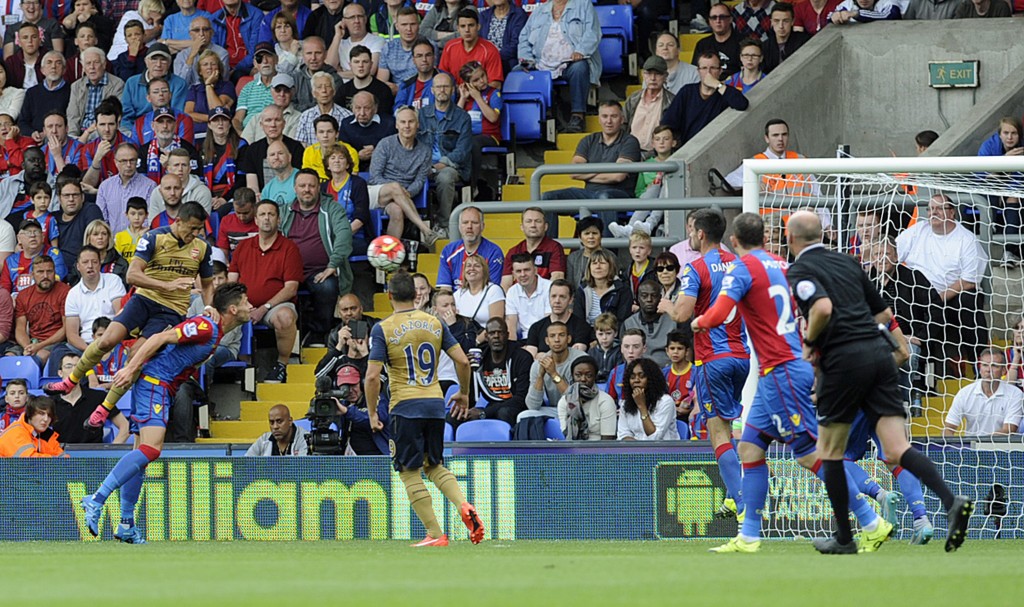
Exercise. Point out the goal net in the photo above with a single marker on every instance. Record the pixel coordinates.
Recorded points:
(940, 238)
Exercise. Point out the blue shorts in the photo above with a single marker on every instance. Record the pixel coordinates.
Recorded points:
(720, 386)
(146, 317)
(782, 408)
(860, 432)
(151, 403)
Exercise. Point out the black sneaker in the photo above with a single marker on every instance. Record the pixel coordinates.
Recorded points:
(278, 374)
(959, 517)
(575, 124)
(830, 545)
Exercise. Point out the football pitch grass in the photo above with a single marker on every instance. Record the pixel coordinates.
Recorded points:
(521, 573)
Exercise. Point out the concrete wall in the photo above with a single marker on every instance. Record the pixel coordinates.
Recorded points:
(867, 86)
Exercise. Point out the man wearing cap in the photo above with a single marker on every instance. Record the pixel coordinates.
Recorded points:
(17, 270)
(281, 90)
(186, 64)
(89, 91)
(256, 95)
(359, 437)
(158, 94)
(236, 27)
(158, 65)
(272, 265)
(154, 152)
(644, 108)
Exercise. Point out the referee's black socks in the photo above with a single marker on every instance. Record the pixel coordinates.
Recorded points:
(924, 469)
(839, 495)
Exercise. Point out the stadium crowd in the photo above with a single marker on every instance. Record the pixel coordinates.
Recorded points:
(304, 132)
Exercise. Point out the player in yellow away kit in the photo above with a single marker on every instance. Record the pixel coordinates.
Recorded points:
(409, 343)
(163, 272)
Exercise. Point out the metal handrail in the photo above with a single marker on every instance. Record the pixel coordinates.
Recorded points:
(668, 166)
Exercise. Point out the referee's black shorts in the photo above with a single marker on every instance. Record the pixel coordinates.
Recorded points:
(416, 442)
(858, 376)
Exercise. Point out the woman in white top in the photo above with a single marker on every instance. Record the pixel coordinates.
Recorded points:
(648, 411)
(478, 299)
(11, 97)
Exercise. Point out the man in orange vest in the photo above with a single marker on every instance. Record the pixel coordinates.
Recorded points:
(776, 135)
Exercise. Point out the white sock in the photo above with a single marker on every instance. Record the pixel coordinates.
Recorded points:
(873, 525)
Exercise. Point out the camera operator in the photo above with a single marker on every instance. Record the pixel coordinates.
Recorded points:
(348, 343)
(284, 438)
(501, 378)
(360, 438)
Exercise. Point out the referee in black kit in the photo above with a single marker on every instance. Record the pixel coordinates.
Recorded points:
(845, 333)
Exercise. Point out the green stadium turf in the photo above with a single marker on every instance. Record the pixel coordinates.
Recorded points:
(523, 573)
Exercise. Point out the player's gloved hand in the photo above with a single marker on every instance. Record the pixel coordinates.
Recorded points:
(98, 417)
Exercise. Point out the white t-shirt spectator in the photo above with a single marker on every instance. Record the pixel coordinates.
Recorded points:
(8, 239)
(984, 415)
(372, 41)
(478, 306)
(664, 418)
(600, 414)
(942, 258)
(89, 305)
(528, 308)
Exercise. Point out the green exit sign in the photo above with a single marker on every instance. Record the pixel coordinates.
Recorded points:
(953, 74)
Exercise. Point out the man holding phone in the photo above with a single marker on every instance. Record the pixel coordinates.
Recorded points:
(272, 264)
(347, 343)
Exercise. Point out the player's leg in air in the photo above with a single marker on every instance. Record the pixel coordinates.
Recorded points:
(718, 392)
(116, 333)
(418, 448)
(151, 403)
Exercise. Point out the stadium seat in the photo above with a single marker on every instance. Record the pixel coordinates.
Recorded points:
(503, 150)
(449, 434)
(484, 431)
(527, 99)
(684, 429)
(244, 349)
(24, 367)
(244, 80)
(449, 395)
(553, 429)
(303, 424)
(616, 40)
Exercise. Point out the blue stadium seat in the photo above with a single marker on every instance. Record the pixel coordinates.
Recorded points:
(684, 429)
(553, 429)
(244, 349)
(36, 392)
(452, 391)
(24, 367)
(214, 223)
(503, 149)
(483, 431)
(527, 99)
(616, 39)
(124, 404)
(303, 424)
(449, 434)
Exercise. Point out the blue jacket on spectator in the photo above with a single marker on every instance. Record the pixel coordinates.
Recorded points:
(993, 146)
(509, 46)
(125, 67)
(454, 134)
(252, 22)
(407, 89)
(581, 28)
(134, 97)
(359, 417)
(267, 34)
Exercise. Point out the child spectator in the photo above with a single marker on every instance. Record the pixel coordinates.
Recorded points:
(483, 103)
(14, 399)
(648, 185)
(606, 353)
(642, 267)
(677, 373)
(126, 240)
(31, 435)
(750, 58)
(102, 374)
(41, 194)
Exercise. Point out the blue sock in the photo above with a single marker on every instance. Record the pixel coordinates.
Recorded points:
(858, 505)
(910, 485)
(755, 492)
(865, 483)
(130, 496)
(130, 465)
(729, 465)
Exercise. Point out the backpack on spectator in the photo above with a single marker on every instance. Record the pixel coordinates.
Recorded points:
(530, 428)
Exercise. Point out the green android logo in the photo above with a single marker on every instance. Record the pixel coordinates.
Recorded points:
(693, 501)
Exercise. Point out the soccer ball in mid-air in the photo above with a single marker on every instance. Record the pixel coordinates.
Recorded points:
(386, 253)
